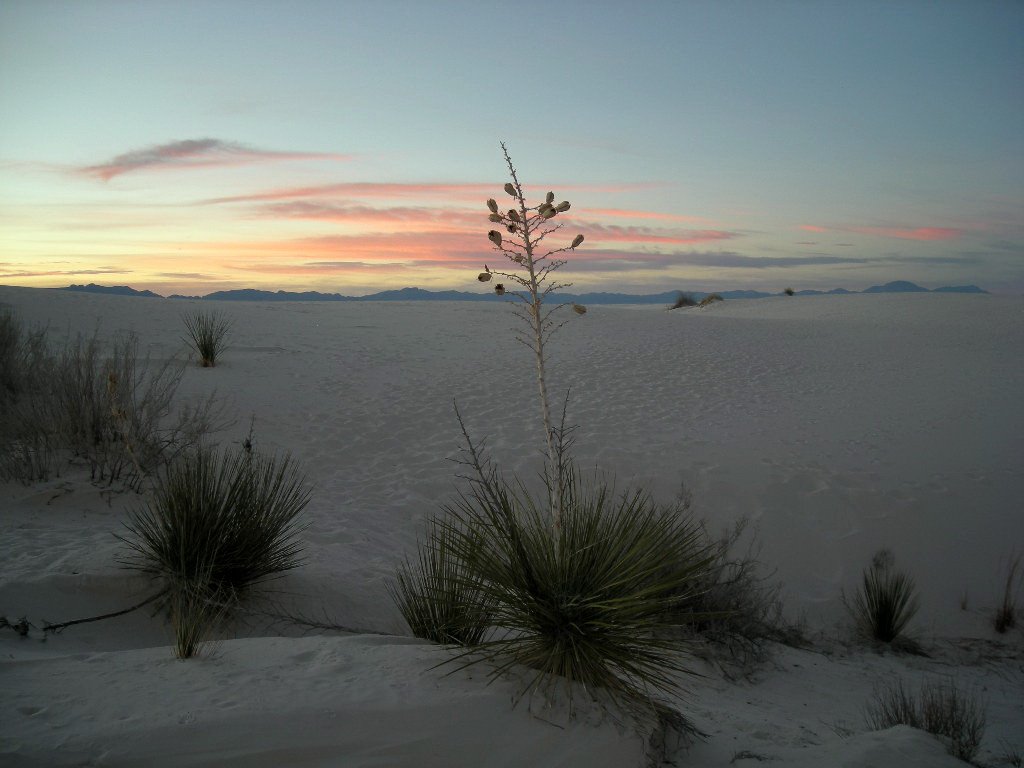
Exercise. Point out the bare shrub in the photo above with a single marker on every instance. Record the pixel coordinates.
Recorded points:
(789, 291)
(735, 605)
(939, 707)
(116, 411)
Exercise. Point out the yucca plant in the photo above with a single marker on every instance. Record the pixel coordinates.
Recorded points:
(219, 524)
(593, 607)
(526, 226)
(886, 601)
(1006, 614)
(207, 335)
(439, 597)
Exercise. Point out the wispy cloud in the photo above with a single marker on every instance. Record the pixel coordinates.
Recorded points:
(193, 153)
(614, 233)
(462, 192)
(924, 234)
(623, 213)
(63, 272)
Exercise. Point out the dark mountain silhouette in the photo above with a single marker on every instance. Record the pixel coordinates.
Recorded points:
(897, 286)
(113, 290)
(960, 289)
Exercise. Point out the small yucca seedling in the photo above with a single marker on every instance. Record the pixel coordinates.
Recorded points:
(527, 226)
(207, 335)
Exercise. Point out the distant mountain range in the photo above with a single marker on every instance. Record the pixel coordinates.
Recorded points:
(418, 294)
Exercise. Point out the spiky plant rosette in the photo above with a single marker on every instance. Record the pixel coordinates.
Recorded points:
(227, 521)
(591, 607)
(885, 602)
(440, 600)
(207, 335)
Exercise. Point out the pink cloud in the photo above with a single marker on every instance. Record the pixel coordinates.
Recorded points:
(193, 153)
(813, 228)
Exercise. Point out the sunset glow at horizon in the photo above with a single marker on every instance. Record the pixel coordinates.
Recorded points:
(192, 147)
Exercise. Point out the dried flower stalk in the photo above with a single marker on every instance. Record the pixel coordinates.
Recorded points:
(527, 227)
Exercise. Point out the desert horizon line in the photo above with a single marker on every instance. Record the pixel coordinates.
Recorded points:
(414, 293)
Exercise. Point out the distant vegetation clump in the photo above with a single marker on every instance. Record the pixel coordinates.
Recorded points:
(789, 291)
(683, 300)
(711, 298)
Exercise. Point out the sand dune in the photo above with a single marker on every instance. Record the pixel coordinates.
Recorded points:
(838, 425)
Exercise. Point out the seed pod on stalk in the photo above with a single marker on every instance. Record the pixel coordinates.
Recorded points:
(495, 237)
(576, 241)
(493, 205)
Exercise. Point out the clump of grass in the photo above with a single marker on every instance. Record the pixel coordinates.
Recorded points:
(789, 291)
(711, 298)
(885, 603)
(218, 525)
(939, 708)
(683, 300)
(734, 605)
(28, 423)
(1006, 614)
(439, 597)
(116, 411)
(207, 335)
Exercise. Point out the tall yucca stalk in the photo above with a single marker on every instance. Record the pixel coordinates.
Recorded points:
(526, 227)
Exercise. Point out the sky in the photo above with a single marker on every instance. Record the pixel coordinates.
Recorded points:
(188, 147)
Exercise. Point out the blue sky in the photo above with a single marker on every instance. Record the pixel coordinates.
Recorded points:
(190, 147)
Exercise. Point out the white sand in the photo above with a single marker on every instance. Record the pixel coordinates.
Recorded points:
(838, 425)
